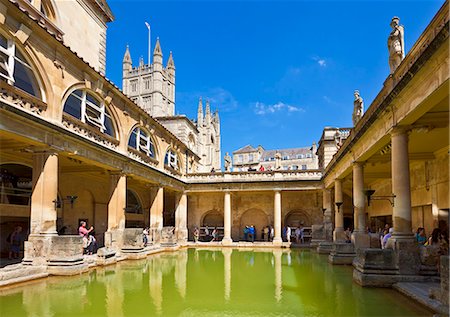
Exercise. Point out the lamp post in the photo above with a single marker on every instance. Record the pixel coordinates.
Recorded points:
(149, 41)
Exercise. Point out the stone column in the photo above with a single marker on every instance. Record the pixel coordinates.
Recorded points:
(277, 218)
(327, 215)
(401, 214)
(227, 219)
(338, 235)
(45, 194)
(156, 214)
(359, 237)
(116, 210)
(181, 231)
(406, 253)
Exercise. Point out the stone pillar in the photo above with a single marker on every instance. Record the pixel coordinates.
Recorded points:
(401, 214)
(326, 245)
(227, 219)
(156, 214)
(406, 253)
(338, 234)
(116, 210)
(181, 231)
(45, 194)
(359, 237)
(277, 218)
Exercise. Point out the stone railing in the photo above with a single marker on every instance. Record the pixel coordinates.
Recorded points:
(89, 132)
(229, 177)
(20, 99)
(141, 157)
(345, 132)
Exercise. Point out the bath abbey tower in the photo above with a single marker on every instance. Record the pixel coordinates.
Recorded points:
(152, 87)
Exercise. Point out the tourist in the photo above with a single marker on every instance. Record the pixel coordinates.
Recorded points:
(213, 170)
(214, 234)
(283, 233)
(83, 232)
(421, 237)
(145, 234)
(288, 234)
(206, 233)
(196, 234)
(443, 243)
(272, 233)
(251, 233)
(386, 238)
(15, 240)
(246, 230)
(266, 231)
(297, 235)
(92, 244)
(261, 168)
(434, 237)
(348, 235)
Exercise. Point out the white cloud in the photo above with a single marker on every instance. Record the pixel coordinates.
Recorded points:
(320, 61)
(263, 109)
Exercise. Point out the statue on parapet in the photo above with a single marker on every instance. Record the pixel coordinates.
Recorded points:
(358, 108)
(227, 160)
(396, 44)
(277, 160)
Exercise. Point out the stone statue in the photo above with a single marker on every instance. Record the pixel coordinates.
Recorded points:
(396, 44)
(338, 139)
(227, 160)
(277, 160)
(358, 108)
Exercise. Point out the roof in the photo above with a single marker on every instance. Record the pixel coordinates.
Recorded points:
(286, 152)
(246, 149)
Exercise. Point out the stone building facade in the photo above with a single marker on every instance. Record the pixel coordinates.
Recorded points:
(249, 158)
(152, 87)
(74, 147)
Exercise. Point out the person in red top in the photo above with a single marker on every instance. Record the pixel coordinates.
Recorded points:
(261, 168)
(83, 232)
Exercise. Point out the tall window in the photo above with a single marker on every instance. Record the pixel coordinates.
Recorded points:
(140, 141)
(133, 204)
(147, 83)
(240, 158)
(250, 157)
(171, 159)
(303, 167)
(15, 69)
(134, 85)
(84, 106)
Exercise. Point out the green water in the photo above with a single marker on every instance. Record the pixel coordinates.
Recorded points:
(216, 282)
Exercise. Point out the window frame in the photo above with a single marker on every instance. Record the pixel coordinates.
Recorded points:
(148, 147)
(171, 155)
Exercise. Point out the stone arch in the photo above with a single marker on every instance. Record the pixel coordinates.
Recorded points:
(295, 218)
(255, 217)
(15, 184)
(212, 218)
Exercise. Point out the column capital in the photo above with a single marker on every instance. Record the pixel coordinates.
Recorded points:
(277, 190)
(398, 130)
(358, 163)
(117, 173)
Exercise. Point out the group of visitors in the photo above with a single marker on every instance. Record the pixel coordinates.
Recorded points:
(209, 235)
(250, 233)
(298, 233)
(438, 238)
(90, 245)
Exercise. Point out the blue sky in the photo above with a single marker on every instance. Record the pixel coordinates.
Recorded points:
(278, 72)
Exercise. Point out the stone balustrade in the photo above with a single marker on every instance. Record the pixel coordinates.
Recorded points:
(20, 99)
(229, 177)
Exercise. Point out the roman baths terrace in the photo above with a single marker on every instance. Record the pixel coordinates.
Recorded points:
(83, 161)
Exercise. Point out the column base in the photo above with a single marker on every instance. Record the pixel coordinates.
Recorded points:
(227, 241)
(406, 253)
(277, 242)
(342, 253)
(182, 236)
(325, 247)
(339, 235)
(360, 240)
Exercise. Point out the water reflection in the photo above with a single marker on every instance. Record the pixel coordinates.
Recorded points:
(208, 282)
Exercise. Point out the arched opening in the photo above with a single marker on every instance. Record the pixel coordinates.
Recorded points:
(253, 217)
(142, 141)
(171, 160)
(212, 218)
(15, 69)
(296, 218)
(15, 199)
(89, 109)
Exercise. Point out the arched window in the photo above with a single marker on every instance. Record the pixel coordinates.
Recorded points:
(133, 204)
(171, 160)
(140, 141)
(84, 106)
(15, 184)
(15, 69)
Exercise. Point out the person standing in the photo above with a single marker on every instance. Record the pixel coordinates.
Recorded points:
(288, 234)
(196, 234)
(83, 232)
(15, 240)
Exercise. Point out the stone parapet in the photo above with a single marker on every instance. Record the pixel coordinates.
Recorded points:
(230, 177)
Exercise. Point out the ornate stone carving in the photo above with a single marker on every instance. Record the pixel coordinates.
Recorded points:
(21, 99)
(396, 44)
(358, 108)
(227, 162)
(141, 157)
